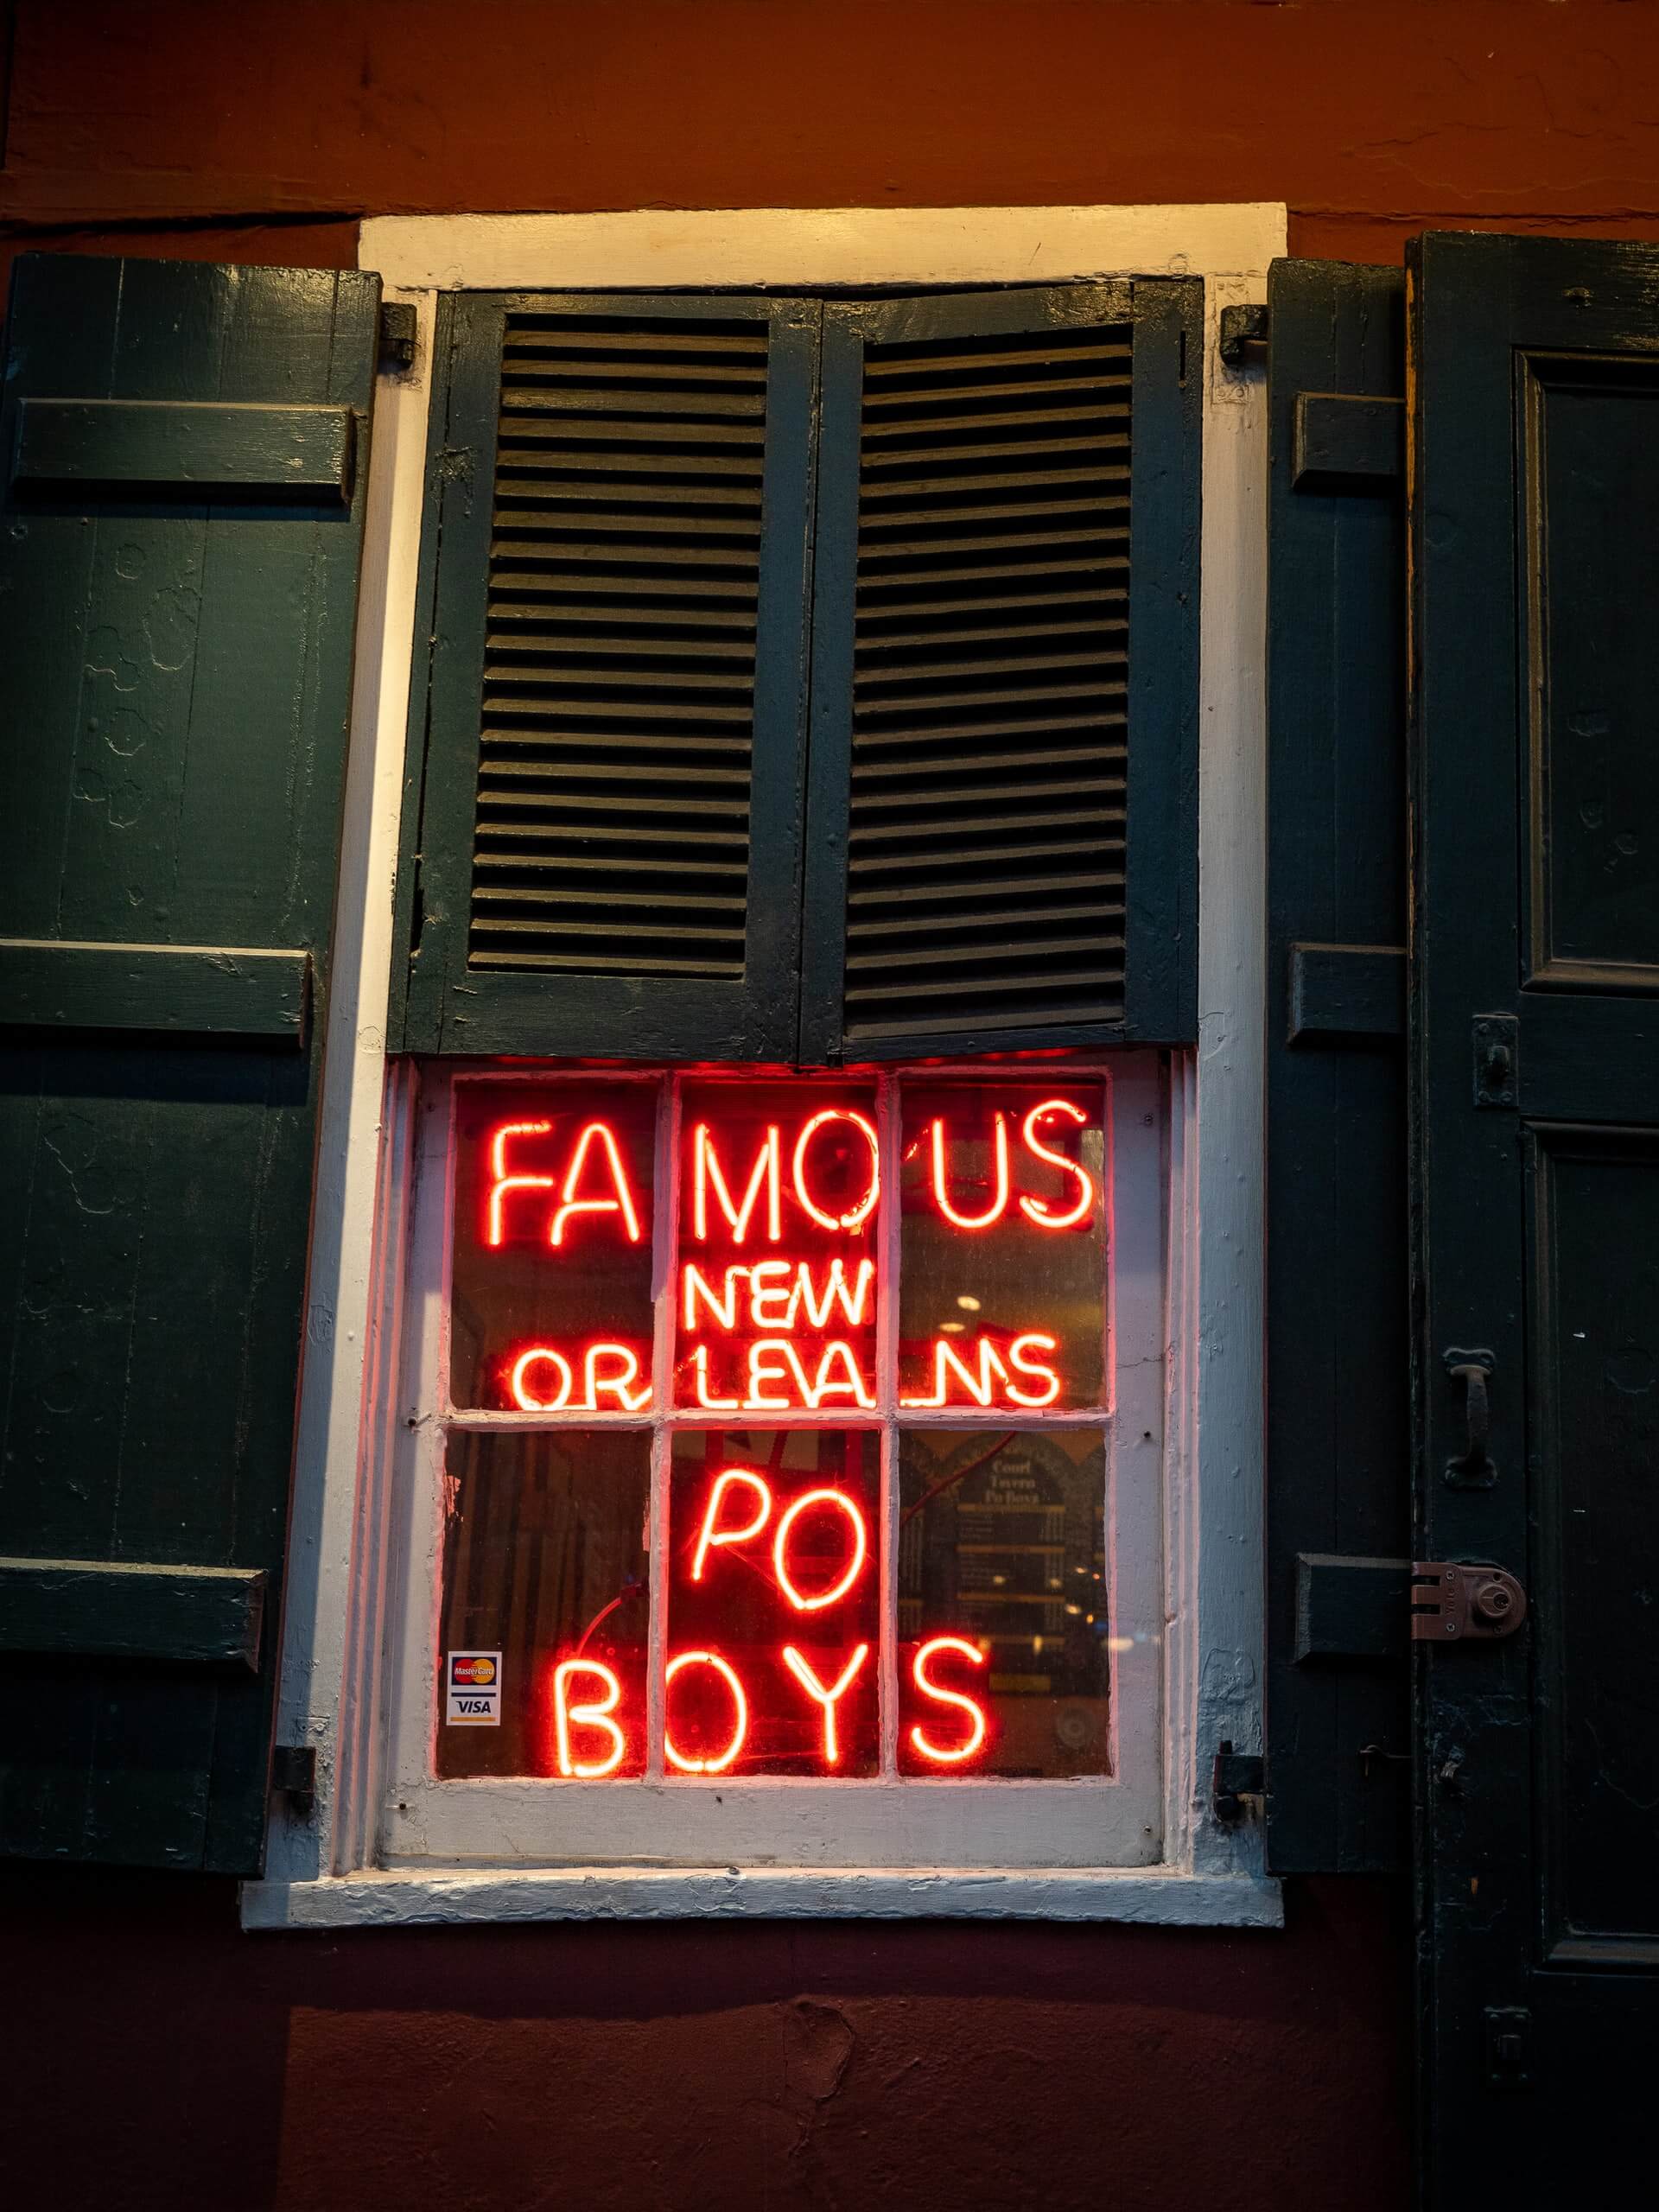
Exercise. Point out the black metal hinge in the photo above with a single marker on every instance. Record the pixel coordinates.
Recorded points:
(1242, 329)
(293, 1775)
(398, 336)
(1237, 1775)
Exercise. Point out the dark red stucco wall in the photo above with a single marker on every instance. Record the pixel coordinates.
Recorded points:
(159, 2058)
(154, 2055)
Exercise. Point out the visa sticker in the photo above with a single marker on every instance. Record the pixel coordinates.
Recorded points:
(473, 1686)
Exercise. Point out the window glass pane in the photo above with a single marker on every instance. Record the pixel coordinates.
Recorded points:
(774, 1602)
(545, 1568)
(550, 1270)
(1002, 1554)
(1002, 1270)
(776, 1284)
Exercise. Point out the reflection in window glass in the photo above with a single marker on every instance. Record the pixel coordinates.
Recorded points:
(774, 1602)
(545, 1568)
(1002, 1601)
(1004, 1257)
(550, 1274)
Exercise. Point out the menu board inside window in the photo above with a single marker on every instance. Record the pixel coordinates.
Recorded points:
(776, 1417)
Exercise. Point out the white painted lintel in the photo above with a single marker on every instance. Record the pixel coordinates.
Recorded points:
(646, 249)
(1143, 1897)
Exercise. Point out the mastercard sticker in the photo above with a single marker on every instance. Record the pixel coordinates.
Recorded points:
(472, 1683)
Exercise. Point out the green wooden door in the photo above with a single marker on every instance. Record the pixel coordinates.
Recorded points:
(1534, 388)
(187, 449)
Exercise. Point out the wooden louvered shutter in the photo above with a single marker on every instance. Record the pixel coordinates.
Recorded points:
(184, 504)
(1002, 825)
(608, 833)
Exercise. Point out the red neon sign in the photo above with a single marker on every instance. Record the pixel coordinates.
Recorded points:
(776, 1282)
(754, 1296)
(774, 1571)
(948, 1754)
(955, 1383)
(541, 1380)
(1035, 1210)
(711, 1533)
(828, 1695)
(502, 1180)
(590, 1713)
(681, 1761)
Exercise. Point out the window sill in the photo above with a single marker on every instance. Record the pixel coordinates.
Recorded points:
(1146, 1897)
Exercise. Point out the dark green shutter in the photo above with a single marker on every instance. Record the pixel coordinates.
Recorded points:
(607, 836)
(1534, 391)
(184, 459)
(1002, 846)
(1337, 1438)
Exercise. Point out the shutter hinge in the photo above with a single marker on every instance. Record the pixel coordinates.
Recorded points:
(1236, 1776)
(397, 337)
(1465, 1601)
(1242, 327)
(293, 1775)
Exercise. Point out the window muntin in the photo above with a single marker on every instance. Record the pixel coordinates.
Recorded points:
(1054, 1720)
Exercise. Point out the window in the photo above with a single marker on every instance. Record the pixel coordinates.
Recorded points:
(523, 1474)
(767, 1434)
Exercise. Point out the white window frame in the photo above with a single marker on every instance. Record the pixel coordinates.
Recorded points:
(342, 1636)
(767, 1821)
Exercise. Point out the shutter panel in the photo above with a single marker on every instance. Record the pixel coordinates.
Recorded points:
(1534, 368)
(609, 831)
(1002, 841)
(184, 502)
(1336, 1429)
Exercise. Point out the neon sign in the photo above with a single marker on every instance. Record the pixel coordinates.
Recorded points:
(775, 1281)
(748, 1283)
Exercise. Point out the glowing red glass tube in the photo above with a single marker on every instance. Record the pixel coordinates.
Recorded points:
(501, 1182)
(829, 1697)
(999, 1204)
(1033, 1209)
(740, 1714)
(592, 1713)
(711, 1533)
(856, 1216)
(941, 1755)
(620, 1203)
(859, 1554)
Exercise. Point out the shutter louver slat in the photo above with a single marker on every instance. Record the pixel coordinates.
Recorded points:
(999, 464)
(615, 756)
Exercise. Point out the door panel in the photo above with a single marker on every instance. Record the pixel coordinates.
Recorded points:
(1590, 493)
(1595, 1331)
(1534, 1061)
